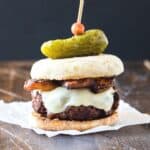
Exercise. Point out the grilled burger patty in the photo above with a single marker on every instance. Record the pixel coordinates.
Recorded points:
(94, 84)
(79, 113)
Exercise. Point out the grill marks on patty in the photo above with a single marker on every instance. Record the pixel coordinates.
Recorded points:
(79, 113)
(94, 84)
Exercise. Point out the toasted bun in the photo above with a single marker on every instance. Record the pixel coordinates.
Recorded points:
(103, 65)
(57, 125)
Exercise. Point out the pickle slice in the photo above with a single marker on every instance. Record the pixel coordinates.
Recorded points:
(90, 43)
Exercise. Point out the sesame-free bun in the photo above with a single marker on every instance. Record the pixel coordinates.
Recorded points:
(103, 65)
(38, 121)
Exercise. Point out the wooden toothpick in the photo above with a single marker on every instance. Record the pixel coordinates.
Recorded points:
(80, 11)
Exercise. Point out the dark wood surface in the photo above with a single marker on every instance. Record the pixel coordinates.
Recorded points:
(134, 87)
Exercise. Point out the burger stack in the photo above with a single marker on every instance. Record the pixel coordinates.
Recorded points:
(74, 93)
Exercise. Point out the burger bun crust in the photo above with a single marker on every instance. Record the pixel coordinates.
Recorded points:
(38, 121)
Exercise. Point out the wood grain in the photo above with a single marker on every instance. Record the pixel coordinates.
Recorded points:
(134, 86)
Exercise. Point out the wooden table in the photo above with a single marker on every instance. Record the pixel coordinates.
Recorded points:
(134, 87)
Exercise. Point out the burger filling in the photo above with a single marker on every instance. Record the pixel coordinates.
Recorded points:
(83, 99)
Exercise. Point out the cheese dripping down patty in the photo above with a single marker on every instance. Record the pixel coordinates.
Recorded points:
(57, 100)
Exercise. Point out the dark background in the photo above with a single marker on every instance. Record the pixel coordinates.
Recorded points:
(25, 24)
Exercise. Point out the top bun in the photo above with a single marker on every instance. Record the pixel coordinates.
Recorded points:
(103, 65)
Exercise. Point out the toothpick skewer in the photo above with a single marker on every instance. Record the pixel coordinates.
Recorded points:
(79, 28)
(80, 11)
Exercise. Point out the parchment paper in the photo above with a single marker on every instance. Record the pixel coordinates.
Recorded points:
(18, 113)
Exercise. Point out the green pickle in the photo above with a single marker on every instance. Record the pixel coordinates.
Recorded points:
(92, 42)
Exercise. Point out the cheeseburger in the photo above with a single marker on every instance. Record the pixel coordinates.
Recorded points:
(74, 93)
(74, 89)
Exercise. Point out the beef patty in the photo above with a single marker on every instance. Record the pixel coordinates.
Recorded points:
(79, 113)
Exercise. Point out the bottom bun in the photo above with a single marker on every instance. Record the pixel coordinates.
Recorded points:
(56, 125)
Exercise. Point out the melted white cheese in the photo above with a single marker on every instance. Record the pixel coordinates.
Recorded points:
(58, 99)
